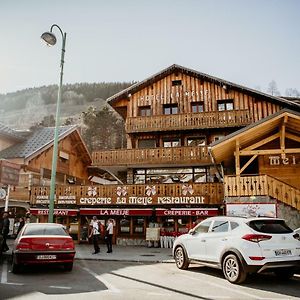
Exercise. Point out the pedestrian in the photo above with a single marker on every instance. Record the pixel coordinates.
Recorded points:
(109, 235)
(95, 234)
(5, 231)
(21, 224)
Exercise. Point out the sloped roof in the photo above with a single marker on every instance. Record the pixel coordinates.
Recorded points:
(8, 132)
(41, 138)
(225, 147)
(173, 68)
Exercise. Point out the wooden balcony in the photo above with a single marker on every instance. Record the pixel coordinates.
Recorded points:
(152, 156)
(262, 185)
(212, 193)
(188, 121)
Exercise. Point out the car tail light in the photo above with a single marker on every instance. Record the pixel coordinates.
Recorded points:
(23, 244)
(256, 238)
(68, 245)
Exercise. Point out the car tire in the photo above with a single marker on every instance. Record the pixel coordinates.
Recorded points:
(68, 267)
(233, 269)
(284, 274)
(181, 259)
(15, 267)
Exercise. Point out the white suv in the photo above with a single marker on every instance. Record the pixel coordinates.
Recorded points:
(239, 246)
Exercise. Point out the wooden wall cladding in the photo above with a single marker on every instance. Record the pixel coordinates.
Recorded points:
(191, 90)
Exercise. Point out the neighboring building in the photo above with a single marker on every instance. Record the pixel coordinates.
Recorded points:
(167, 176)
(34, 154)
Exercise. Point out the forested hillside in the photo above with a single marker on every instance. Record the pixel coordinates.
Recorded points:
(26, 108)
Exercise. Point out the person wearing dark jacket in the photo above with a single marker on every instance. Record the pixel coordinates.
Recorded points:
(5, 231)
(21, 224)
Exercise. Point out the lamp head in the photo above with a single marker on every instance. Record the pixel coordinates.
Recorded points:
(49, 38)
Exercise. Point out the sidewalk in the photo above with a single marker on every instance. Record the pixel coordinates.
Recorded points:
(120, 253)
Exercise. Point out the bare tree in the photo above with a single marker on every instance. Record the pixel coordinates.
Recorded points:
(290, 92)
(272, 88)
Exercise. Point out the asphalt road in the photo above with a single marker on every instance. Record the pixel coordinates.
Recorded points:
(124, 280)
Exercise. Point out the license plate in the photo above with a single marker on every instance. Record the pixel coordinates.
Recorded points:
(46, 257)
(283, 252)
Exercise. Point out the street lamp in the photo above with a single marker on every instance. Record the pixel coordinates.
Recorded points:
(50, 39)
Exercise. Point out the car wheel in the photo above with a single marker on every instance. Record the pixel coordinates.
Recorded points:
(15, 267)
(233, 270)
(68, 267)
(284, 274)
(181, 259)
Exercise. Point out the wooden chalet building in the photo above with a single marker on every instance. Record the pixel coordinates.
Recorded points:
(32, 151)
(174, 171)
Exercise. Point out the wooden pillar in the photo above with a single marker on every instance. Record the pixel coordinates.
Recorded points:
(237, 166)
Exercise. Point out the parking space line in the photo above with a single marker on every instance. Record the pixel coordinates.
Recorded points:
(4, 272)
(60, 287)
(110, 287)
(223, 287)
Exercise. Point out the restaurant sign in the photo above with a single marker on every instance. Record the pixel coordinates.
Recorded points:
(57, 212)
(44, 199)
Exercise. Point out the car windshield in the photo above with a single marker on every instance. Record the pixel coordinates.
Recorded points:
(270, 226)
(44, 230)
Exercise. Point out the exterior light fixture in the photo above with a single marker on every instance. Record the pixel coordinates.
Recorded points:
(50, 40)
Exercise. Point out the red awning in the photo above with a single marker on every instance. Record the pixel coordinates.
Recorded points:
(57, 212)
(115, 212)
(198, 212)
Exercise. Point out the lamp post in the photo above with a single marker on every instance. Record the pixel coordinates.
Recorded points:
(50, 39)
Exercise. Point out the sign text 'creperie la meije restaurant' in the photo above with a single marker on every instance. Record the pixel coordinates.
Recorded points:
(122, 197)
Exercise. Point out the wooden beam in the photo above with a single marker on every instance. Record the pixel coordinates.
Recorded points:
(248, 163)
(262, 142)
(237, 157)
(282, 136)
(292, 137)
(270, 151)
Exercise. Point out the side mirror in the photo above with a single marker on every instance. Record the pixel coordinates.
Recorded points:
(191, 231)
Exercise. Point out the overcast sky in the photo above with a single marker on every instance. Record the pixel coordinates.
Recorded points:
(247, 42)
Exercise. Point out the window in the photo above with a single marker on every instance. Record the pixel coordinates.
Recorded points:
(197, 107)
(138, 225)
(124, 226)
(270, 226)
(220, 226)
(171, 143)
(44, 230)
(145, 144)
(233, 225)
(225, 105)
(196, 141)
(203, 227)
(170, 109)
(145, 111)
(176, 82)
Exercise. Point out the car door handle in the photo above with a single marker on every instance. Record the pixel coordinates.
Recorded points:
(224, 239)
(203, 240)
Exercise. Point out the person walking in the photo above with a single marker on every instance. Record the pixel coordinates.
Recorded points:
(5, 231)
(95, 234)
(21, 224)
(109, 235)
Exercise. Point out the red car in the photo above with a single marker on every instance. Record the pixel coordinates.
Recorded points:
(43, 243)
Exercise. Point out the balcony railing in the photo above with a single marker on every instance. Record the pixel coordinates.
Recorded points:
(189, 121)
(152, 156)
(262, 185)
(212, 193)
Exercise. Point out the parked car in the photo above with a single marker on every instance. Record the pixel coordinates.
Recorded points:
(239, 246)
(43, 243)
